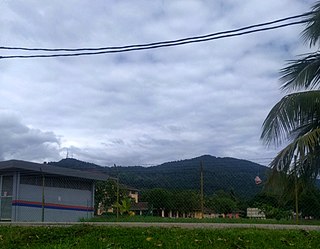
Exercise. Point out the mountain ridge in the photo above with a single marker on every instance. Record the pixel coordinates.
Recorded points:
(220, 173)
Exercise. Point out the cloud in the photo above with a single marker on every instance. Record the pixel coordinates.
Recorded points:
(21, 142)
(148, 106)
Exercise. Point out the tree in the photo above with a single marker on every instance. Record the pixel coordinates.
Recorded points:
(222, 202)
(124, 206)
(309, 202)
(272, 205)
(186, 201)
(295, 119)
(159, 199)
(106, 193)
(183, 201)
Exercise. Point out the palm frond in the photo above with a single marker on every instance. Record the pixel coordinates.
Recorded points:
(302, 73)
(282, 162)
(294, 115)
(307, 152)
(284, 185)
(309, 167)
(311, 33)
(296, 118)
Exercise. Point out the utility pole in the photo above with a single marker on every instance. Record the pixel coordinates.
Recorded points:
(117, 191)
(296, 189)
(43, 199)
(201, 190)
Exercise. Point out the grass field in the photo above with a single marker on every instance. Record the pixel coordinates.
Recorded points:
(83, 236)
(137, 218)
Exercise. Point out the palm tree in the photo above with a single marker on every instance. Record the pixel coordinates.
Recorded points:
(124, 206)
(295, 119)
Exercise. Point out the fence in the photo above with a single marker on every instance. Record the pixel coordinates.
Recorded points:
(219, 192)
(183, 189)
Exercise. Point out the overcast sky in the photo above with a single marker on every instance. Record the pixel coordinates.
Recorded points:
(142, 107)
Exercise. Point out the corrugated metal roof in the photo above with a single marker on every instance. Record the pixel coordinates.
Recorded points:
(13, 165)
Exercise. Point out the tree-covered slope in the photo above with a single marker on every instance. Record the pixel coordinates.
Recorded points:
(219, 174)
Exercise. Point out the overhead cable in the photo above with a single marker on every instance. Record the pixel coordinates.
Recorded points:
(120, 49)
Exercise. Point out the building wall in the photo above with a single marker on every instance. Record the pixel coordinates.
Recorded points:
(255, 213)
(61, 204)
(134, 195)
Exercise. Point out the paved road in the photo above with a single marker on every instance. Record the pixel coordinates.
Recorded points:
(168, 225)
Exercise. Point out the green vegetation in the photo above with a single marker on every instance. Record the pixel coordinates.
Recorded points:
(157, 219)
(223, 203)
(188, 202)
(219, 174)
(106, 193)
(295, 119)
(173, 200)
(116, 237)
(276, 201)
(124, 205)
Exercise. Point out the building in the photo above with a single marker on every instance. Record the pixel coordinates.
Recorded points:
(255, 213)
(41, 192)
(140, 208)
(132, 193)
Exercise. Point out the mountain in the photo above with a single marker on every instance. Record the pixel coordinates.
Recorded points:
(218, 174)
(76, 164)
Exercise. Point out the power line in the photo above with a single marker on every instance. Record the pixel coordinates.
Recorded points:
(156, 43)
(179, 42)
(260, 158)
(144, 48)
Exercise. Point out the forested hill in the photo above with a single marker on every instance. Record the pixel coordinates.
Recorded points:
(219, 174)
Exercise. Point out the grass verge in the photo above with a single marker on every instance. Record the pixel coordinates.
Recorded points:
(84, 236)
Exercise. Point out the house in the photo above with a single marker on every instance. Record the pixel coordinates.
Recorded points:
(137, 207)
(140, 208)
(41, 192)
(132, 193)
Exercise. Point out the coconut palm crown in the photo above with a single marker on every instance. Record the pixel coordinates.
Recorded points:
(295, 119)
